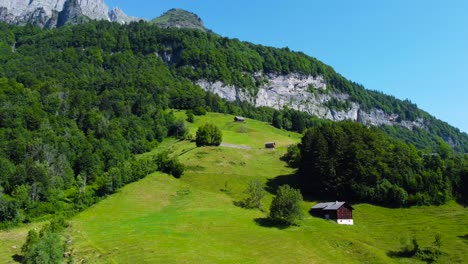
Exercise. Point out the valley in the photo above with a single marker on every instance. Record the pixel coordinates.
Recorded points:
(131, 140)
(194, 219)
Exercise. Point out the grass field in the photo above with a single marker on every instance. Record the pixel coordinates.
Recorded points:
(195, 220)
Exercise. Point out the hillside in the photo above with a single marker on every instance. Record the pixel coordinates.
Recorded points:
(258, 75)
(194, 219)
(241, 73)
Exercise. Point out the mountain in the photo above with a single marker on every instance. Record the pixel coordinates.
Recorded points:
(56, 13)
(78, 103)
(253, 74)
(179, 18)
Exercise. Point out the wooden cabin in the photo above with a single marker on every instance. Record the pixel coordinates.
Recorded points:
(341, 212)
(270, 145)
(239, 119)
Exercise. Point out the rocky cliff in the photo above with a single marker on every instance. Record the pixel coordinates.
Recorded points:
(305, 93)
(56, 13)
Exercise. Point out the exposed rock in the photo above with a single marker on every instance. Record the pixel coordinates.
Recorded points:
(117, 15)
(71, 14)
(95, 9)
(53, 13)
(304, 93)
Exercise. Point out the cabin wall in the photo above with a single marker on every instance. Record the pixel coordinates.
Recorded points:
(344, 213)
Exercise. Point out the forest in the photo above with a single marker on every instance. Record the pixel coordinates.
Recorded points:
(79, 102)
(351, 162)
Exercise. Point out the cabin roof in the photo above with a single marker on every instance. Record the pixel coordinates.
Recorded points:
(330, 205)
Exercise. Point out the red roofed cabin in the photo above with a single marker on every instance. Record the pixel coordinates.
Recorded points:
(341, 212)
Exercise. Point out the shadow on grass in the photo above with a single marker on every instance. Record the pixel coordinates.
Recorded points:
(273, 184)
(17, 258)
(239, 204)
(293, 181)
(400, 254)
(186, 151)
(267, 222)
(464, 238)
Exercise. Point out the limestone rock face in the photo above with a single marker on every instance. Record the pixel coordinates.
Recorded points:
(95, 9)
(45, 13)
(117, 15)
(304, 93)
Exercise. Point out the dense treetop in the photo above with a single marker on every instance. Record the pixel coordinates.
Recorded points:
(349, 161)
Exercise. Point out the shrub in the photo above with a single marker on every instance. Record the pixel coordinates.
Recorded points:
(169, 165)
(208, 135)
(45, 246)
(178, 129)
(199, 111)
(190, 116)
(285, 207)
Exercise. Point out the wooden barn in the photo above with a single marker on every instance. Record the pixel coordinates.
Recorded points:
(270, 145)
(341, 212)
(239, 119)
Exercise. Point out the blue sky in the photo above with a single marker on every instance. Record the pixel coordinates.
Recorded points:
(412, 49)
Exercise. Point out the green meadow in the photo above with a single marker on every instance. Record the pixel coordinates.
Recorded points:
(194, 219)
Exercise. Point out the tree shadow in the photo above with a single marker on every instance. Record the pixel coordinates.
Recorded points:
(464, 238)
(267, 222)
(239, 204)
(294, 181)
(273, 184)
(400, 254)
(462, 202)
(18, 258)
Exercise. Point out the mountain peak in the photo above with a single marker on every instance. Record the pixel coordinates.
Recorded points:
(179, 18)
(118, 15)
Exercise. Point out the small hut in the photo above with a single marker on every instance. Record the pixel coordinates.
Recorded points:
(341, 212)
(239, 119)
(270, 145)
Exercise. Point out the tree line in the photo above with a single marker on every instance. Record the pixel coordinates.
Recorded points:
(348, 161)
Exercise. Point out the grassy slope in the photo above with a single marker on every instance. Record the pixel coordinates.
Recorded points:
(164, 220)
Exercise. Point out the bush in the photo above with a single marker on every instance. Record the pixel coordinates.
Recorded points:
(45, 246)
(199, 111)
(178, 129)
(169, 165)
(190, 116)
(285, 207)
(208, 135)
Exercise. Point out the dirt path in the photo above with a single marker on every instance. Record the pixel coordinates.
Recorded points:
(227, 145)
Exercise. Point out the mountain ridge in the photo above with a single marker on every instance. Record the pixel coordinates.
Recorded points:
(295, 80)
(45, 13)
